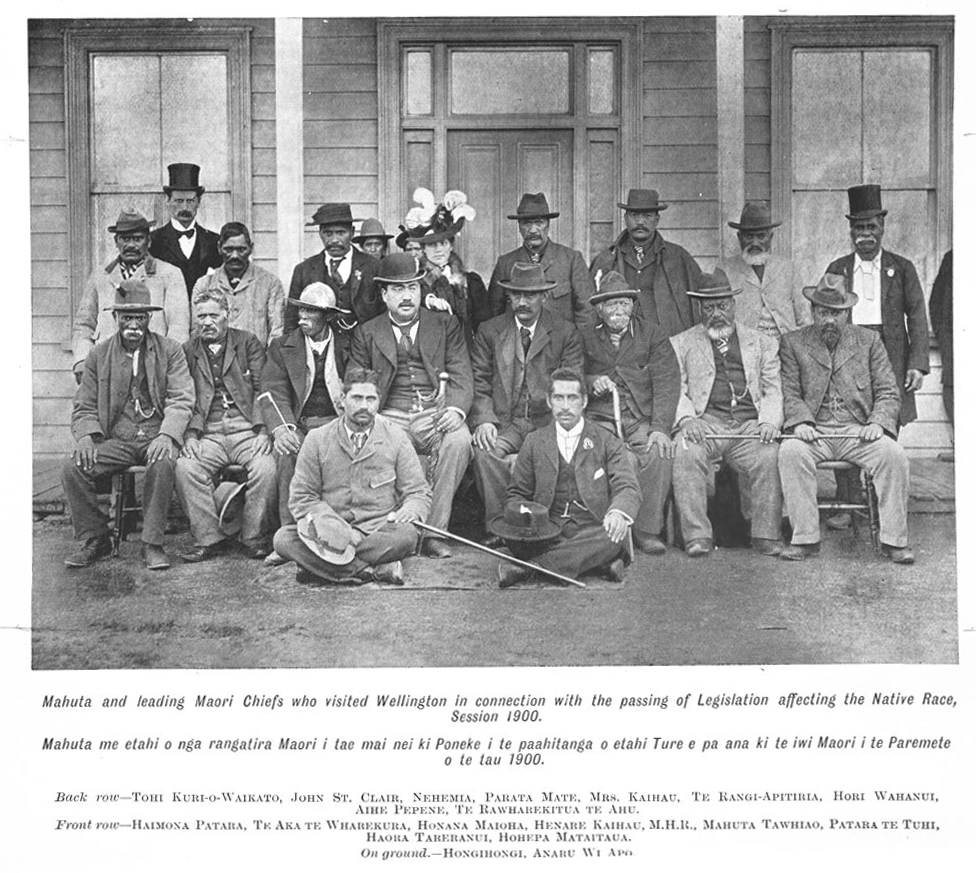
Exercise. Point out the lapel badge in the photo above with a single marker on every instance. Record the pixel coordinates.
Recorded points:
(587, 443)
(359, 275)
(891, 272)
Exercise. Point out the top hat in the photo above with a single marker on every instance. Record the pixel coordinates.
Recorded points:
(183, 177)
(831, 291)
(527, 277)
(643, 200)
(129, 221)
(132, 295)
(229, 501)
(612, 287)
(318, 296)
(713, 286)
(755, 216)
(525, 521)
(399, 267)
(371, 228)
(331, 213)
(864, 201)
(327, 535)
(533, 206)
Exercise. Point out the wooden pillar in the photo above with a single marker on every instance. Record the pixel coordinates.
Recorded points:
(730, 58)
(289, 142)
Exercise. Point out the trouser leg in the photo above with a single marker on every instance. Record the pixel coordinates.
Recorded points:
(453, 457)
(758, 464)
(285, 472)
(79, 486)
(259, 500)
(493, 471)
(798, 474)
(887, 463)
(392, 542)
(654, 475)
(157, 494)
(194, 485)
(690, 476)
(579, 549)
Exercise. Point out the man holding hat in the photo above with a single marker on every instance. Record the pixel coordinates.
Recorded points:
(564, 268)
(412, 349)
(94, 321)
(182, 242)
(512, 357)
(771, 301)
(837, 380)
(633, 381)
(730, 386)
(372, 239)
(132, 407)
(346, 270)
(663, 272)
(225, 429)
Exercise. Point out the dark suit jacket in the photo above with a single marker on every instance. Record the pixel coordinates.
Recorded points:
(165, 245)
(243, 362)
(863, 376)
(902, 301)
(645, 363)
(365, 295)
(940, 311)
(497, 360)
(440, 341)
(604, 475)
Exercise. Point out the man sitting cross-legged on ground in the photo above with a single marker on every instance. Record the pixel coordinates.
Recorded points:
(361, 482)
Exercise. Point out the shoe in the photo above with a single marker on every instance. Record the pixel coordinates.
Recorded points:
(273, 559)
(616, 570)
(94, 549)
(493, 542)
(435, 548)
(203, 553)
(511, 574)
(799, 552)
(771, 548)
(256, 551)
(387, 574)
(898, 555)
(155, 557)
(698, 548)
(649, 544)
(839, 521)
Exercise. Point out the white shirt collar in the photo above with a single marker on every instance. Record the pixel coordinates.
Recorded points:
(412, 331)
(179, 227)
(319, 346)
(529, 327)
(872, 266)
(567, 440)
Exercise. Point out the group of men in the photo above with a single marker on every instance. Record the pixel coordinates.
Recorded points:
(347, 413)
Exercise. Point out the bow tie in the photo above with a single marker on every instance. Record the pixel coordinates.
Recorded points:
(187, 233)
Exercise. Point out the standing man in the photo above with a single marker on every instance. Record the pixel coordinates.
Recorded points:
(132, 407)
(633, 379)
(513, 356)
(410, 348)
(563, 267)
(373, 239)
(940, 310)
(256, 296)
(347, 271)
(182, 242)
(663, 272)
(772, 299)
(730, 384)
(225, 429)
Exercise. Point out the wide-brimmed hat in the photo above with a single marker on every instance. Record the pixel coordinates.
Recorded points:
(129, 221)
(613, 286)
(713, 286)
(132, 295)
(831, 291)
(371, 228)
(643, 200)
(399, 267)
(527, 277)
(319, 296)
(755, 216)
(533, 206)
(331, 213)
(183, 177)
(229, 502)
(525, 521)
(327, 535)
(864, 201)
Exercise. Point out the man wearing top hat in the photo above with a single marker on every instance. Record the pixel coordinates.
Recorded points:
(837, 380)
(373, 239)
(132, 407)
(730, 386)
(182, 242)
(564, 268)
(512, 357)
(226, 428)
(345, 269)
(412, 348)
(581, 476)
(94, 321)
(662, 271)
(633, 382)
(772, 299)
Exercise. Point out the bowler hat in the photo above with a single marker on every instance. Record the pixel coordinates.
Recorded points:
(183, 177)
(371, 228)
(525, 521)
(643, 200)
(132, 295)
(130, 221)
(327, 535)
(755, 216)
(229, 501)
(533, 206)
(612, 287)
(527, 277)
(331, 213)
(319, 296)
(831, 291)
(864, 201)
(713, 286)
(399, 267)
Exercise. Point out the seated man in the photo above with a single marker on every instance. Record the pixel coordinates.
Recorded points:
(730, 384)
(512, 357)
(360, 471)
(838, 380)
(132, 407)
(634, 358)
(225, 364)
(582, 476)
(411, 349)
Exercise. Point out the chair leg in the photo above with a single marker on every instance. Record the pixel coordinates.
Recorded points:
(119, 491)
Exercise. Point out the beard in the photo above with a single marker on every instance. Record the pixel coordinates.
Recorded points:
(755, 258)
(720, 331)
(830, 334)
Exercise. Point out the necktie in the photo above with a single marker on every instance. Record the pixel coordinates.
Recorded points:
(535, 257)
(235, 282)
(405, 342)
(334, 270)
(186, 233)
(723, 346)
(359, 440)
(639, 251)
(526, 339)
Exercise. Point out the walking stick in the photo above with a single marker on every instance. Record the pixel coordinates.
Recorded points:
(616, 411)
(782, 436)
(526, 564)
(276, 409)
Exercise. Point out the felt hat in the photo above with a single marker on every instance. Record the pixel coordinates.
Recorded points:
(331, 213)
(533, 206)
(831, 291)
(406, 234)
(130, 221)
(714, 286)
(612, 287)
(864, 201)
(132, 295)
(319, 296)
(399, 267)
(229, 502)
(371, 228)
(183, 177)
(527, 277)
(525, 521)
(327, 535)
(643, 200)
(755, 216)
